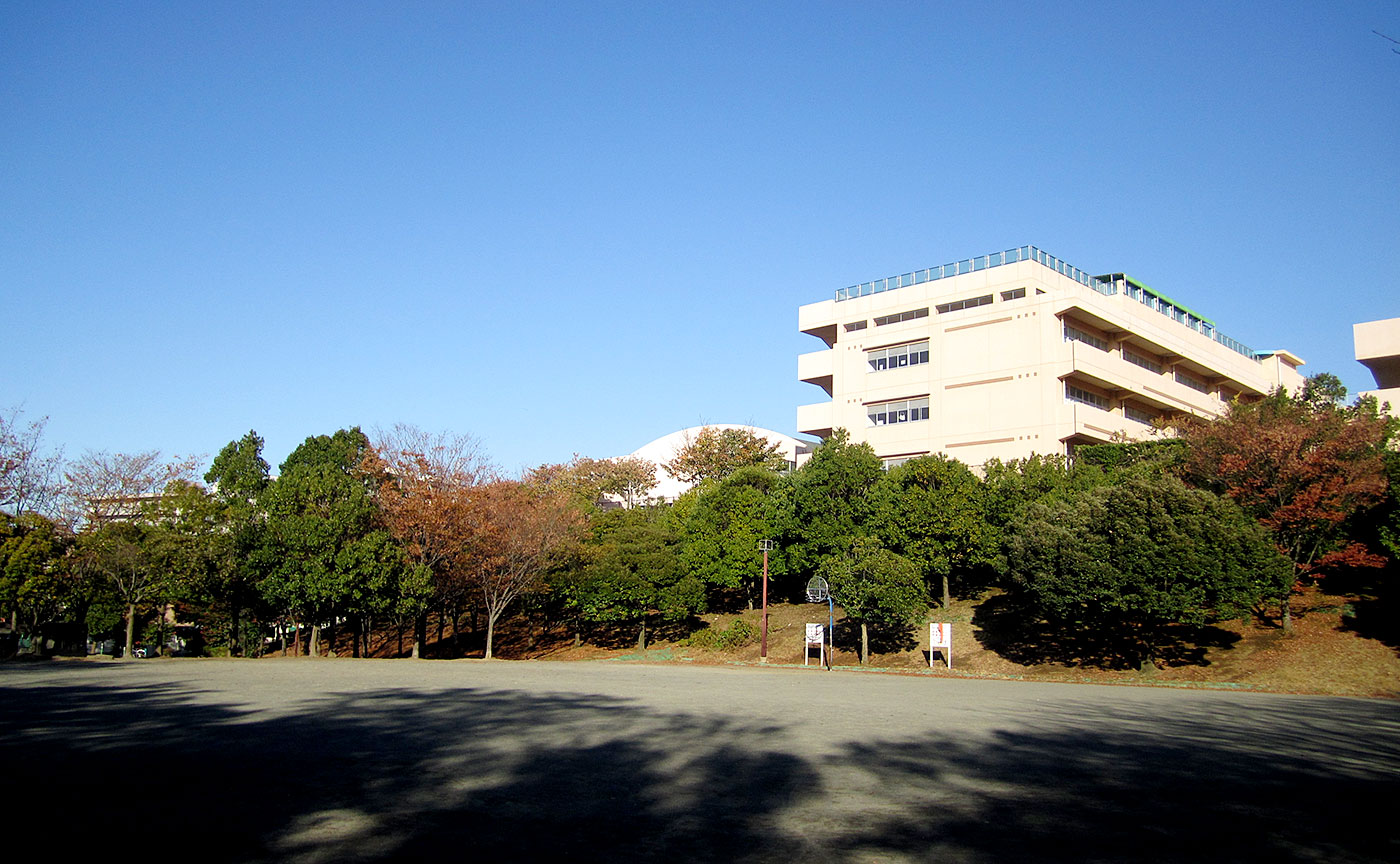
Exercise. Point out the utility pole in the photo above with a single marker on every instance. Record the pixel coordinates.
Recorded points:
(765, 545)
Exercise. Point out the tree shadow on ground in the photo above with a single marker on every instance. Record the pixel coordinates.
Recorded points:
(1011, 627)
(402, 774)
(388, 775)
(1373, 601)
(624, 635)
(1221, 782)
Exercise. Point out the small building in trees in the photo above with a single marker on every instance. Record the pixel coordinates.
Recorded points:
(1017, 353)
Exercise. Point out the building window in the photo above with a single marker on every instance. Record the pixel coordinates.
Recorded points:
(904, 411)
(1145, 362)
(1016, 294)
(1079, 394)
(1074, 334)
(898, 356)
(1132, 412)
(882, 320)
(969, 303)
(889, 462)
(855, 325)
(1191, 381)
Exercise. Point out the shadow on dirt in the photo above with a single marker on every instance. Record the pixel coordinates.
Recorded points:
(397, 774)
(1011, 628)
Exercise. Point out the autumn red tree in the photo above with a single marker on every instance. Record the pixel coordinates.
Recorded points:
(428, 493)
(1304, 466)
(519, 534)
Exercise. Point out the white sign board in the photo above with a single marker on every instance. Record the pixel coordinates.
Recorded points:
(940, 635)
(816, 635)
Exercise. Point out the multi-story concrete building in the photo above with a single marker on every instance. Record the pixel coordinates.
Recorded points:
(1017, 353)
(1378, 349)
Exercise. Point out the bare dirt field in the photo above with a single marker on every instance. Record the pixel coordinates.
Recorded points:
(317, 760)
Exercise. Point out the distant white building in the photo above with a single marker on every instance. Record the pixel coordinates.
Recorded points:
(1016, 353)
(665, 448)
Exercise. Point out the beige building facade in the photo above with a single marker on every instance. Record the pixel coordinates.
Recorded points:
(1016, 353)
(1378, 349)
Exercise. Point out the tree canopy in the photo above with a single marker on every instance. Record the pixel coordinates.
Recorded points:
(716, 453)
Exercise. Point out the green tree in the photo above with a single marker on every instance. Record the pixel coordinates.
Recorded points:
(318, 510)
(716, 453)
(937, 516)
(1013, 485)
(834, 500)
(1132, 558)
(36, 587)
(591, 481)
(633, 572)
(725, 524)
(187, 545)
(239, 477)
(875, 587)
(118, 555)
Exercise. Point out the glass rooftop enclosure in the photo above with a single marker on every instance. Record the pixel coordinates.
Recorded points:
(1108, 285)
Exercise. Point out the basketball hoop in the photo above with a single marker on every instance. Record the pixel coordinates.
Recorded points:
(817, 590)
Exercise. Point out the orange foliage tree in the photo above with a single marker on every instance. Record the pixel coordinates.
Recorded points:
(428, 494)
(519, 534)
(1305, 466)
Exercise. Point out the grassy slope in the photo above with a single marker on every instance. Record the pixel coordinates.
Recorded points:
(1326, 655)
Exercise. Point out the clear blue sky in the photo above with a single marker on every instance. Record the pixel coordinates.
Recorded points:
(567, 227)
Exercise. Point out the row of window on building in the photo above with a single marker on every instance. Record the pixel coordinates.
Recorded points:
(941, 308)
(1078, 394)
(899, 356)
(1076, 334)
(903, 411)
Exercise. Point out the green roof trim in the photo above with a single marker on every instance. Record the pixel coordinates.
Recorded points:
(1160, 296)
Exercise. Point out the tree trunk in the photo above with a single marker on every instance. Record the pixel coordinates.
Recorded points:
(420, 635)
(442, 622)
(356, 629)
(314, 649)
(399, 653)
(864, 643)
(282, 631)
(642, 637)
(296, 642)
(490, 634)
(1285, 614)
(130, 625)
(578, 637)
(947, 596)
(233, 645)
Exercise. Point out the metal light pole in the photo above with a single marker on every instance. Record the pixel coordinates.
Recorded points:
(765, 545)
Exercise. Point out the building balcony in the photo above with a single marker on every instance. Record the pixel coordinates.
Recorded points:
(816, 368)
(1119, 378)
(815, 419)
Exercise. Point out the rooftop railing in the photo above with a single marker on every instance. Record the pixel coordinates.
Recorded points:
(1104, 285)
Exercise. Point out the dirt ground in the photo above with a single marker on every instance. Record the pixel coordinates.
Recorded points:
(1328, 653)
